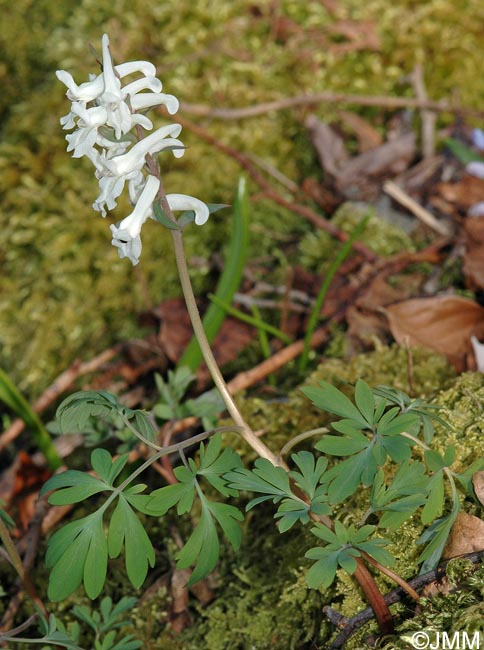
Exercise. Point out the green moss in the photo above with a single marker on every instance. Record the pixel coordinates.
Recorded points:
(317, 248)
(60, 277)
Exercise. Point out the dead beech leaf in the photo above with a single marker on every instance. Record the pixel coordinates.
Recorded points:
(466, 536)
(442, 323)
(462, 195)
(368, 137)
(366, 318)
(478, 483)
(362, 175)
(474, 255)
(328, 144)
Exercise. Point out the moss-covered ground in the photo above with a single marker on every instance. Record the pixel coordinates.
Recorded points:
(64, 292)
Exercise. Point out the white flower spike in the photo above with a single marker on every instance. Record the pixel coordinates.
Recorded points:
(126, 234)
(103, 114)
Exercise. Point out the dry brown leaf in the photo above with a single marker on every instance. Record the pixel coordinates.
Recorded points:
(175, 330)
(362, 175)
(328, 144)
(462, 195)
(366, 318)
(442, 323)
(474, 255)
(443, 586)
(466, 536)
(478, 483)
(368, 137)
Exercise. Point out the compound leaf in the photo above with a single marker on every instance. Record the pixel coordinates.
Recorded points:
(126, 528)
(330, 399)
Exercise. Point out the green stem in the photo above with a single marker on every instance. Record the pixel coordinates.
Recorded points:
(334, 266)
(246, 432)
(254, 320)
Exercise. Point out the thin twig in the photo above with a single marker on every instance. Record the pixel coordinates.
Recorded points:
(396, 192)
(303, 210)
(350, 625)
(428, 117)
(62, 383)
(312, 99)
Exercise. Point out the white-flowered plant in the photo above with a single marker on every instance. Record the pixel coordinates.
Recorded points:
(108, 129)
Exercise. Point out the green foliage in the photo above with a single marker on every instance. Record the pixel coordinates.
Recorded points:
(338, 260)
(5, 517)
(105, 623)
(235, 260)
(274, 484)
(426, 412)
(462, 152)
(53, 632)
(371, 434)
(11, 396)
(342, 546)
(172, 406)
(79, 551)
(401, 498)
(202, 547)
(77, 412)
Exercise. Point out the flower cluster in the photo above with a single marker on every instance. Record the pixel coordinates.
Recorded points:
(103, 114)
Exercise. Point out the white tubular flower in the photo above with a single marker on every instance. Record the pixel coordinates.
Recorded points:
(145, 83)
(86, 92)
(147, 100)
(126, 234)
(134, 159)
(103, 114)
(186, 202)
(82, 140)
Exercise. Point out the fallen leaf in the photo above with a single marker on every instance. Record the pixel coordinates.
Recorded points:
(328, 144)
(368, 137)
(462, 195)
(443, 586)
(478, 483)
(442, 323)
(175, 329)
(466, 536)
(362, 175)
(474, 254)
(366, 317)
(20, 485)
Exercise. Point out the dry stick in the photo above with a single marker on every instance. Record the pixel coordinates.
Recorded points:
(396, 192)
(60, 385)
(302, 210)
(278, 360)
(350, 625)
(428, 117)
(330, 98)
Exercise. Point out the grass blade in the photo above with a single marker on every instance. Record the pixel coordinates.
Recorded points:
(11, 396)
(229, 280)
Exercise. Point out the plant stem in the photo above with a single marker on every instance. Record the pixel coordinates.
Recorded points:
(17, 564)
(393, 576)
(374, 597)
(246, 432)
